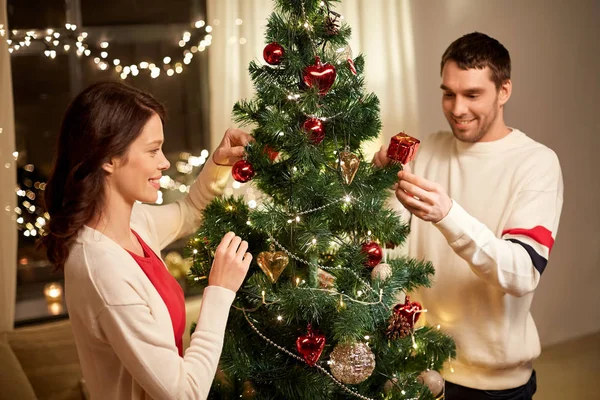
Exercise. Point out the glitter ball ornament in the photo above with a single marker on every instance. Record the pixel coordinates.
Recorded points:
(381, 271)
(273, 53)
(389, 385)
(242, 171)
(352, 363)
(248, 391)
(374, 253)
(433, 380)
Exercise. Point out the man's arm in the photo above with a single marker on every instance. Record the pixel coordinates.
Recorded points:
(513, 262)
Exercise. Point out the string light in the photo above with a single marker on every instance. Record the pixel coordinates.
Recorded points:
(52, 38)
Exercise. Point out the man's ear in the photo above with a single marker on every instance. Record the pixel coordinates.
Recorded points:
(109, 166)
(505, 91)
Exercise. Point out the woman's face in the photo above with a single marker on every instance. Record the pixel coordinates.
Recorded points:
(136, 175)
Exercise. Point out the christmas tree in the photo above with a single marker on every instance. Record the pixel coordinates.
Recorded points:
(320, 316)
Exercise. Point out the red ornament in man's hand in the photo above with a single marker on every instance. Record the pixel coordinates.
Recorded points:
(403, 148)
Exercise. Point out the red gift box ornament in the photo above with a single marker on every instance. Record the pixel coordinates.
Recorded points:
(310, 346)
(320, 75)
(403, 148)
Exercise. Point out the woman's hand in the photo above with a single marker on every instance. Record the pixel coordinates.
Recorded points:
(231, 263)
(231, 148)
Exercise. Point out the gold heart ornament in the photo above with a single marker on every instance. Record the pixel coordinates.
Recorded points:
(348, 165)
(272, 263)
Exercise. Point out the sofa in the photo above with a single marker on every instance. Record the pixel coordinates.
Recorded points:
(40, 362)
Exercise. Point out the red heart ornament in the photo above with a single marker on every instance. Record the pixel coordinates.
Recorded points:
(410, 310)
(311, 346)
(320, 75)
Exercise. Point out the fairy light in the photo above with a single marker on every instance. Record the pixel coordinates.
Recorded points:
(199, 24)
(104, 45)
(263, 297)
(104, 54)
(116, 62)
(170, 72)
(209, 28)
(279, 318)
(167, 60)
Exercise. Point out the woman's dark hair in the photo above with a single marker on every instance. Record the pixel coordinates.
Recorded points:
(100, 124)
(478, 50)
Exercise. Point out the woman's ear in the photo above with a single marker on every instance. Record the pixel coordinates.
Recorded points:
(109, 166)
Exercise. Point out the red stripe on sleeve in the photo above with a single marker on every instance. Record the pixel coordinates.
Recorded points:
(540, 234)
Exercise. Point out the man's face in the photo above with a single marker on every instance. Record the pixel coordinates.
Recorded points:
(472, 104)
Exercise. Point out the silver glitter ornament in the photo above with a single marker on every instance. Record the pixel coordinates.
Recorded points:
(433, 380)
(352, 363)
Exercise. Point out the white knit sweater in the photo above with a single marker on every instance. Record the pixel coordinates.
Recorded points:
(489, 251)
(122, 327)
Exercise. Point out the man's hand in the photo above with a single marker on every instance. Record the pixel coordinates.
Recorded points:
(231, 148)
(380, 159)
(425, 199)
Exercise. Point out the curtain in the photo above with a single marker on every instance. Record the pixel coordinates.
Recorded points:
(8, 181)
(381, 30)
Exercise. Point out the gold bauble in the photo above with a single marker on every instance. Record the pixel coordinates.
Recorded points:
(352, 363)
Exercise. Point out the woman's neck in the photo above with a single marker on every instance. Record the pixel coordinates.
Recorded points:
(114, 218)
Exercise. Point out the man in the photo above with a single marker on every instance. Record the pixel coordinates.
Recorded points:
(487, 200)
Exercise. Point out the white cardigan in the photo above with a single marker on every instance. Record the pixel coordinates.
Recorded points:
(121, 325)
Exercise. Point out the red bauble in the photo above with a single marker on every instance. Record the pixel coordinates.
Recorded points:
(270, 152)
(311, 346)
(403, 148)
(374, 253)
(409, 310)
(242, 171)
(315, 130)
(319, 75)
(273, 53)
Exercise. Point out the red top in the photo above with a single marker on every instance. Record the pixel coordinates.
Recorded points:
(166, 286)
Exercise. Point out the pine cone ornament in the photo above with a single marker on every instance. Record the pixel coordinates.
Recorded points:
(332, 26)
(398, 327)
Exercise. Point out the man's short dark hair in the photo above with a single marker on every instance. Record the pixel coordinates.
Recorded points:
(478, 50)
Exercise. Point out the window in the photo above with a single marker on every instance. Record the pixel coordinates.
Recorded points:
(47, 74)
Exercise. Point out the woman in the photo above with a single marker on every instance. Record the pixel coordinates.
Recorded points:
(127, 312)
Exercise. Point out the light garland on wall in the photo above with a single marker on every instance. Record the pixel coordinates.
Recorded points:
(57, 41)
